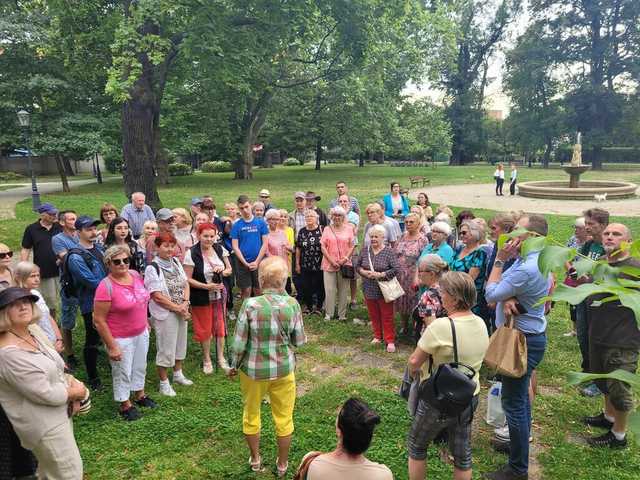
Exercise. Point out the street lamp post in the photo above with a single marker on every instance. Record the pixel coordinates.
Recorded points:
(24, 121)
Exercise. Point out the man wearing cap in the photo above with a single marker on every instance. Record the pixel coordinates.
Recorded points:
(296, 217)
(311, 198)
(196, 207)
(166, 224)
(265, 197)
(85, 263)
(37, 238)
(136, 213)
(341, 189)
(61, 244)
(249, 241)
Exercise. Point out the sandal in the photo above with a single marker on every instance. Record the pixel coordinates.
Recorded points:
(281, 471)
(256, 466)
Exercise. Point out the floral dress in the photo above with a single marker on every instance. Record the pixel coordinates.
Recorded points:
(429, 305)
(477, 259)
(408, 252)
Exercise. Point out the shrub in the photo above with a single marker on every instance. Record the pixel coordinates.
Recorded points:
(291, 162)
(9, 176)
(179, 169)
(217, 166)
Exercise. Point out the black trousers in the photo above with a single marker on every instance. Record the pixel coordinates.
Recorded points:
(499, 184)
(512, 186)
(312, 284)
(15, 461)
(91, 342)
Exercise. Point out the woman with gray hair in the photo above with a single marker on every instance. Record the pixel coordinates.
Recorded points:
(471, 258)
(440, 231)
(378, 262)
(436, 343)
(308, 263)
(431, 267)
(337, 245)
(120, 317)
(36, 395)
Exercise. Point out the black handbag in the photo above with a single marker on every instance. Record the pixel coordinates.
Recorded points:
(347, 271)
(449, 390)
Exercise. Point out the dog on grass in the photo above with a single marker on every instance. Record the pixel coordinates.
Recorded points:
(600, 197)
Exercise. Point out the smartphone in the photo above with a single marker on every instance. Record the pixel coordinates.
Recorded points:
(521, 309)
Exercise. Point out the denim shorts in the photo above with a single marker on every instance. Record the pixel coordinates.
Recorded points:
(429, 422)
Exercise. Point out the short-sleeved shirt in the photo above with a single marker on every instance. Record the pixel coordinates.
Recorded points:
(277, 243)
(63, 242)
(310, 249)
(444, 251)
(38, 238)
(337, 243)
(249, 236)
(392, 233)
(136, 217)
(592, 250)
(208, 265)
(354, 219)
(476, 259)
(472, 340)
(127, 316)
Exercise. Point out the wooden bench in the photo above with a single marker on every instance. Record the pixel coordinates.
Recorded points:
(419, 181)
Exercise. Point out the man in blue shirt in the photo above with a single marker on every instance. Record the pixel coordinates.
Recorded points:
(87, 269)
(249, 242)
(519, 289)
(61, 244)
(136, 213)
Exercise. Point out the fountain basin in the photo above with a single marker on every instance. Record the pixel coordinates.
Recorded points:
(586, 191)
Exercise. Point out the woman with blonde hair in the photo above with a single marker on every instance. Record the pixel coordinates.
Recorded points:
(422, 200)
(149, 229)
(271, 322)
(425, 228)
(183, 227)
(6, 275)
(498, 176)
(277, 242)
(200, 218)
(27, 275)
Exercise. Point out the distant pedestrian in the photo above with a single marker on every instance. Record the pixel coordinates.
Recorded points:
(498, 176)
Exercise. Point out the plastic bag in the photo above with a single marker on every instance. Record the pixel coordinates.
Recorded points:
(495, 414)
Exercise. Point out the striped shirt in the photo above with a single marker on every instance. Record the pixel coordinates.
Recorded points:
(268, 326)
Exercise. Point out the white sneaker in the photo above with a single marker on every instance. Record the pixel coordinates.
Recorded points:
(224, 365)
(207, 368)
(357, 321)
(180, 379)
(327, 318)
(502, 433)
(166, 389)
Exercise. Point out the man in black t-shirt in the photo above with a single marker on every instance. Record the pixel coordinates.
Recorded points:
(37, 238)
(614, 342)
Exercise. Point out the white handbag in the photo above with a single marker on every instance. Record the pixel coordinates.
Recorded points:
(391, 289)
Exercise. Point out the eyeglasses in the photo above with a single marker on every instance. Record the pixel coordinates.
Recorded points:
(410, 222)
(436, 231)
(119, 261)
(8, 254)
(463, 233)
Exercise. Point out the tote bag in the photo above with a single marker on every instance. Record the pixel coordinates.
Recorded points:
(507, 352)
(391, 289)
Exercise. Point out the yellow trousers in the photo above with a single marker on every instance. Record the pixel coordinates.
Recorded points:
(282, 392)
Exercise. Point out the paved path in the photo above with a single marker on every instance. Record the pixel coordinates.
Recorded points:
(483, 196)
(9, 198)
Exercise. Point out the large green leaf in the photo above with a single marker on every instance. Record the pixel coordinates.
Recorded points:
(533, 244)
(584, 266)
(554, 257)
(634, 423)
(575, 378)
(631, 271)
(508, 236)
(564, 293)
(631, 299)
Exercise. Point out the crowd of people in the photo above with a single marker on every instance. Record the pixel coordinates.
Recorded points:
(135, 275)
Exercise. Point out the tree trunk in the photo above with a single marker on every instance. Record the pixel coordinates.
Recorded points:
(547, 154)
(98, 171)
(360, 160)
(252, 123)
(596, 157)
(63, 173)
(68, 169)
(318, 152)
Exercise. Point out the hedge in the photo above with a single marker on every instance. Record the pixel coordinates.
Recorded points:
(179, 169)
(216, 166)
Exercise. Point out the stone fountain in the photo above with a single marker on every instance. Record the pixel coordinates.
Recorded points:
(576, 189)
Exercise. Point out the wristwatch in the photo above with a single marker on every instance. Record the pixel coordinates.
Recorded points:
(498, 263)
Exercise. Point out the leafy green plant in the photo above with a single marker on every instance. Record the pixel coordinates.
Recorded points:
(291, 162)
(216, 166)
(180, 169)
(9, 176)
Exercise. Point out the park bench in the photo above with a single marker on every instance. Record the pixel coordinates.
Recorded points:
(419, 181)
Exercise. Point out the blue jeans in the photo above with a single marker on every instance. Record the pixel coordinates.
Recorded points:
(68, 312)
(516, 405)
(582, 334)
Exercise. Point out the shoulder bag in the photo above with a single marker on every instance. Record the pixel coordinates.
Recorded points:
(346, 271)
(507, 351)
(301, 474)
(449, 390)
(391, 289)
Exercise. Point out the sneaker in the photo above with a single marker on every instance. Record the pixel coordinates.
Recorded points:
(130, 414)
(146, 402)
(232, 315)
(95, 384)
(224, 366)
(501, 446)
(207, 368)
(357, 321)
(391, 348)
(590, 390)
(180, 379)
(316, 311)
(342, 319)
(166, 389)
(375, 341)
(502, 433)
(506, 473)
(327, 318)
(607, 440)
(599, 421)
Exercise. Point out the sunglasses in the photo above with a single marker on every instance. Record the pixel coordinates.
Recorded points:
(8, 254)
(463, 233)
(119, 261)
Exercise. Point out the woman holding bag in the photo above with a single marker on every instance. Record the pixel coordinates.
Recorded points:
(378, 263)
(458, 296)
(337, 246)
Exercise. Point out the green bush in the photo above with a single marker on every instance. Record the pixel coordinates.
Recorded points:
(180, 170)
(217, 166)
(291, 162)
(9, 176)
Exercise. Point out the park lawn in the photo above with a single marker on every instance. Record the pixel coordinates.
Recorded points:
(198, 433)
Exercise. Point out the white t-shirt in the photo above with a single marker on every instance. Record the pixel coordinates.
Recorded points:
(212, 261)
(499, 174)
(45, 319)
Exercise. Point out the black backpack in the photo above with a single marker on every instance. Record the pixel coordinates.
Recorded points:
(67, 284)
(449, 389)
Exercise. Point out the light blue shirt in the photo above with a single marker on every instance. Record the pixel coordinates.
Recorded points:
(444, 251)
(523, 281)
(136, 218)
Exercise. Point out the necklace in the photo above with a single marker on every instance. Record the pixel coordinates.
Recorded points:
(34, 345)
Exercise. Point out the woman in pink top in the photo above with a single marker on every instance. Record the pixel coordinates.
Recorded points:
(120, 317)
(278, 244)
(337, 246)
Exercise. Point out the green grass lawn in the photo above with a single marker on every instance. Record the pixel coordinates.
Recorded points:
(198, 433)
